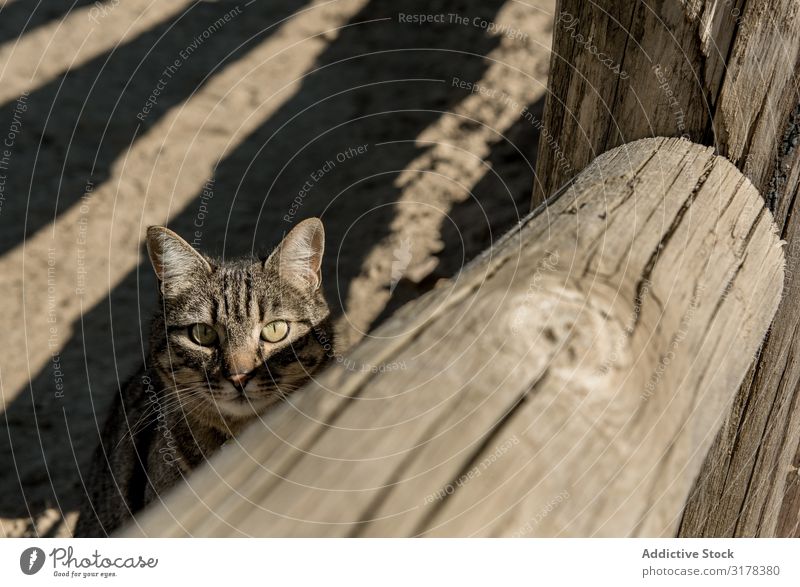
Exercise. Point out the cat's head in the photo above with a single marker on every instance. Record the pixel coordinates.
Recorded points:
(238, 335)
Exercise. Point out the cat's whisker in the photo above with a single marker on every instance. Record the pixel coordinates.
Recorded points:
(181, 401)
(139, 425)
(157, 409)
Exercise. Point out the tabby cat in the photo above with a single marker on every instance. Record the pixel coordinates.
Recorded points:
(230, 339)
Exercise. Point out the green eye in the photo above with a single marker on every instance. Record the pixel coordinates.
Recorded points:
(203, 334)
(275, 331)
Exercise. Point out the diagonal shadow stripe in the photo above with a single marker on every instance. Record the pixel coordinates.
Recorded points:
(76, 126)
(485, 215)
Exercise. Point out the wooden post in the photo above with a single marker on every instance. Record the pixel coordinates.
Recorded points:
(569, 382)
(722, 74)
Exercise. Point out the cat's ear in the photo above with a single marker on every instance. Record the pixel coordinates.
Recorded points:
(299, 256)
(173, 258)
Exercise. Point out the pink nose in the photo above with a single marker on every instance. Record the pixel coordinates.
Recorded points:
(239, 378)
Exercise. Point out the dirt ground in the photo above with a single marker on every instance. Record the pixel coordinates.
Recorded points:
(415, 143)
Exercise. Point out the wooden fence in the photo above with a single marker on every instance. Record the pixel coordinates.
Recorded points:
(724, 74)
(568, 382)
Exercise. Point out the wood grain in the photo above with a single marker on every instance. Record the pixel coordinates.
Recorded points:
(722, 74)
(568, 382)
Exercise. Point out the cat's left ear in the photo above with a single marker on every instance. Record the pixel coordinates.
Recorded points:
(173, 259)
(299, 256)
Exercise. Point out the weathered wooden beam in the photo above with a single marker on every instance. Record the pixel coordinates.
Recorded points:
(722, 74)
(568, 382)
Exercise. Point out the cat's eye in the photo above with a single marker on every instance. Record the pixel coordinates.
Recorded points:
(275, 331)
(203, 334)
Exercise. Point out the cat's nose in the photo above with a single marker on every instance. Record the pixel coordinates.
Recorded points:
(239, 379)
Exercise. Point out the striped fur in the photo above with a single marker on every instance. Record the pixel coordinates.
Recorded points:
(186, 401)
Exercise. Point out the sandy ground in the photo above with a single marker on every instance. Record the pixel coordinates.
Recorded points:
(415, 143)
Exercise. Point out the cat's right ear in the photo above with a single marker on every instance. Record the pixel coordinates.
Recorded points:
(173, 259)
(299, 256)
